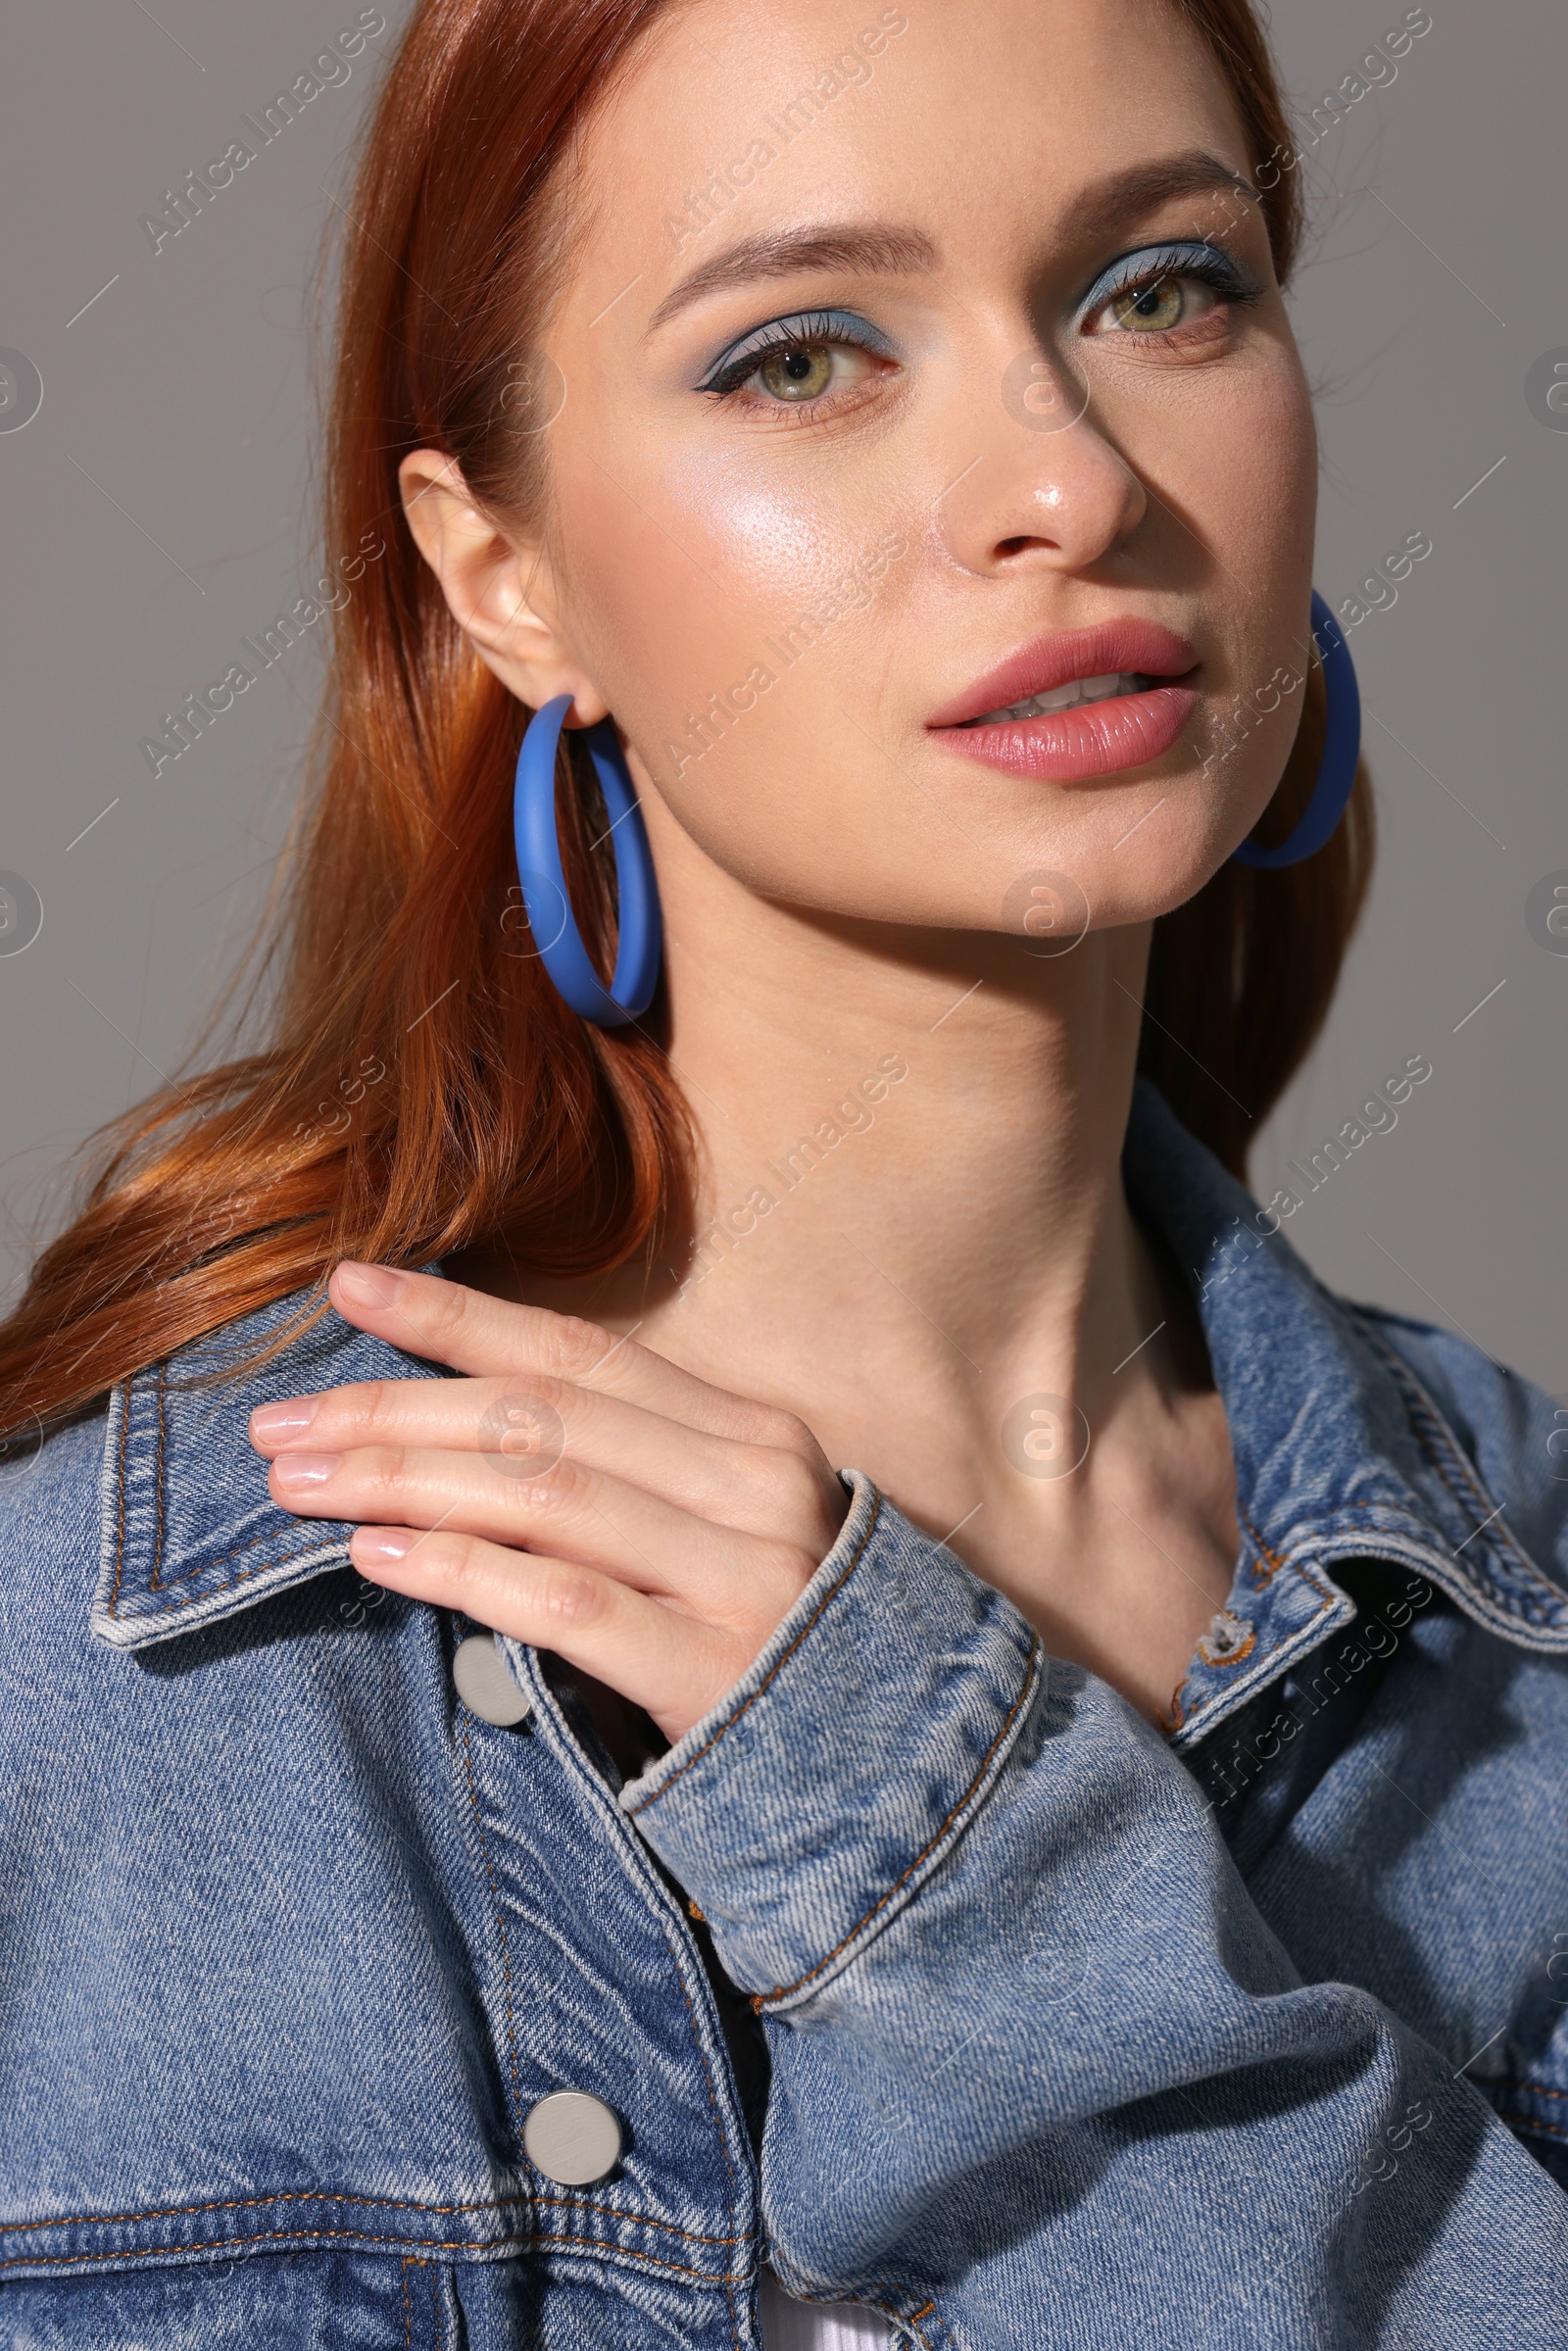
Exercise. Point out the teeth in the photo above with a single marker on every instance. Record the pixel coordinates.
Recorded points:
(1069, 697)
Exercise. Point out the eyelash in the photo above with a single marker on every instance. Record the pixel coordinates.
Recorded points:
(789, 334)
(1151, 266)
(1208, 264)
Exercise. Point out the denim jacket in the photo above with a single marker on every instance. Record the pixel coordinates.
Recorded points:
(923, 1967)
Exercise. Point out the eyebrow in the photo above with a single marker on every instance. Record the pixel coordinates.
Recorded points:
(885, 248)
(1193, 173)
(876, 247)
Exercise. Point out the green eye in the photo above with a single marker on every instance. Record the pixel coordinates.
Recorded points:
(1151, 309)
(793, 362)
(798, 372)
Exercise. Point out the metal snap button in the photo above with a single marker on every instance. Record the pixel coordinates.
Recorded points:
(485, 1684)
(1228, 1639)
(571, 2137)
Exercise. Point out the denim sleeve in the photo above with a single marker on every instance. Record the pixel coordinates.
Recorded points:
(1041, 2071)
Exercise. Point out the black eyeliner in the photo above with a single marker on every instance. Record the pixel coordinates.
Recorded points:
(1176, 257)
(786, 332)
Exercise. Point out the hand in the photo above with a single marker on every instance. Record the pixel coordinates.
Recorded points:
(572, 1490)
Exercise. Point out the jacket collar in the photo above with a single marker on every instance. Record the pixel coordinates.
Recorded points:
(188, 1532)
(1339, 1454)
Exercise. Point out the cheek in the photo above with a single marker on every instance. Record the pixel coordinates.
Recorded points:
(1249, 495)
(722, 613)
(1262, 497)
(1261, 514)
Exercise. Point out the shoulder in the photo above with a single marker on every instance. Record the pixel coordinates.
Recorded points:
(48, 1500)
(153, 1514)
(1512, 1430)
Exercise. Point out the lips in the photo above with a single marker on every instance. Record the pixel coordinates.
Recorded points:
(1115, 647)
(1134, 704)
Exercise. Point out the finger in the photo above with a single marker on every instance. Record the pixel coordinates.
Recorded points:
(483, 1336)
(524, 1425)
(588, 1517)
(668, 1664)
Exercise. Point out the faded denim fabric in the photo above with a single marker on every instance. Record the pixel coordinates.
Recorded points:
(1050, 2030)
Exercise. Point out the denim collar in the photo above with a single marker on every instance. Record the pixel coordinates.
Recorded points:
(1339, 1454)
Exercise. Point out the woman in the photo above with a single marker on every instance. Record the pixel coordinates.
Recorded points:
(1019, 1788)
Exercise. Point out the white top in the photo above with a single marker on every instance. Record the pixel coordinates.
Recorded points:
(791, 2326)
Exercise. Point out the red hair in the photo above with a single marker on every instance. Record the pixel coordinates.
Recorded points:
(425, 1088)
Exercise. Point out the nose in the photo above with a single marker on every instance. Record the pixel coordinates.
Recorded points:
(1044, 488)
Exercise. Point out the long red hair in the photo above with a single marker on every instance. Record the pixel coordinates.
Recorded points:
(425, 1088)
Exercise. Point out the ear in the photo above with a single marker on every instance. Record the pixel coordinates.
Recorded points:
(500, 590)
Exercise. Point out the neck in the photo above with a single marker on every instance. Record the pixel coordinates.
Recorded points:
(909, 1177)
(937, 1125)
(911, 1231)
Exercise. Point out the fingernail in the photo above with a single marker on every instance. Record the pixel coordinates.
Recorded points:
(369, 1544)
(297, 1471)
(369, 1285)
(287, 1419)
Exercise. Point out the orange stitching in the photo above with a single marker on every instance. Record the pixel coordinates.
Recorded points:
(180, 1599)
(183, 2212)
(299, 2195)
(157, 1484)
(872, 2300)
(1301, 1566)
(456, 2244)
(1275, 1560)
(890, 2308)
(120, 1541)
(1532, 2089)
(1233, 1656)
(1420, 1409)
(718, 2123)
(219, 1560)
(614, 2212)
(1428, 1424)
(779, 1663)
(417, 2261)
(782, 1990)
(495, 1896)
(924, 2312)
(269, 1535)
(183, 1600)
(1170, 1723)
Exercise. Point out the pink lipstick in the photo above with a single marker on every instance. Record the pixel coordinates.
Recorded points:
(1076, 704)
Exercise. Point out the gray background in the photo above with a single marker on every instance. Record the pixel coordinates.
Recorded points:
(158, 508)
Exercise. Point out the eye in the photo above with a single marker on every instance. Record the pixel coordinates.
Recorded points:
(796, 362)
(1159, 305)
(1165, 289)
(1157, 308)
(801, 370)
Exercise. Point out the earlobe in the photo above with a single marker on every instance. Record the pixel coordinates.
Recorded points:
(497, 588)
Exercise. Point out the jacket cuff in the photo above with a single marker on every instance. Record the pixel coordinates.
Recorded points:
(809, 1805)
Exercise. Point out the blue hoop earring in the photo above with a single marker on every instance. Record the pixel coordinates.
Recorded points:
(1341, 747)
(544, 883)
